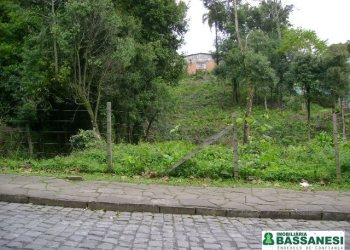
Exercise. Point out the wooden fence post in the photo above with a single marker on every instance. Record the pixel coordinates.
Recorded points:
(336, 148)
(29, 140)
(343, 119)
(235, 147)
(109, 137)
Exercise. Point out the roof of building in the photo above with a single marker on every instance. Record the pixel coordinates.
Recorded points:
(201, 53)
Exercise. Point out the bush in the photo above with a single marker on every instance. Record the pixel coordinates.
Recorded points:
(265, 160)
(84, 139)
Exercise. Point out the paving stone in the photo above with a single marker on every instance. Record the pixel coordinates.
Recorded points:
(110, 240)
(90, 244)
(106, 246)
(71, 243)
(211, 246)
(15, 244)
(76, 238)
(89, 230)
(3, 242)
(33, 246)
(243, 202)
(156, 243)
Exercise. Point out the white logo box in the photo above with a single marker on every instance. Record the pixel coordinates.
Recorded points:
(303, 240)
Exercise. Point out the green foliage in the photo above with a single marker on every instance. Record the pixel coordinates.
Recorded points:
(84, 139)
(15, 26)
(336, 80)
(257, 70)
(201, 108)
(301, 41)
(163, 25)
(68, 53)
(306, 70)
(278, 151)
(258, 17)
(262, 159)
(217, 14)
(126, 52)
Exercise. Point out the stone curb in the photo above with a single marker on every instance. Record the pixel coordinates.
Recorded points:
(122, 207)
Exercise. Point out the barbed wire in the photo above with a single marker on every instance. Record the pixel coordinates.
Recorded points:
(51, 132)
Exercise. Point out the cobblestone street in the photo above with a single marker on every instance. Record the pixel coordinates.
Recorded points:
(26, 226)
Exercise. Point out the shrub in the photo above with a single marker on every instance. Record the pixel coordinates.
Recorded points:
(84, 139)
(263, 159)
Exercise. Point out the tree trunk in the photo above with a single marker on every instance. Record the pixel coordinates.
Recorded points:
(96, 128)
(149, 126)
(109, 138)
(29, 140)
(235, 91)
(235, 147)
(303, 106)
(93, 119)
(271, 94)
(277, 20)
(137, 132)
(265, 103)
(308, 109)
(343, 118)
(54, 36)
(248, 114)
(216, 44)
(237, 26)
(336, 148)
(280, 96)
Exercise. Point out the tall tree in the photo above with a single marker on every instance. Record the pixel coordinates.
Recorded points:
(296, 41)
(95, 43)
(162, 23)
(216, 17)
(252, 68)
(143, 87)
(238, 32)
(336, 80)
(17, 90)
(306, 72)
(257, 73)
(54, 36)
(303, 48)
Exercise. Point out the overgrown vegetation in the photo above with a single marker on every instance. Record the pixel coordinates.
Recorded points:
(284, 85)
(279, 150)
(74, 54)
(259, 160)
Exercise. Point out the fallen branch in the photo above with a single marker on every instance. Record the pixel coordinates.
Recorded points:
(205, 144)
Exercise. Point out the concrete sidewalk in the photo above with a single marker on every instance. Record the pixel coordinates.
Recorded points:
(231, 202)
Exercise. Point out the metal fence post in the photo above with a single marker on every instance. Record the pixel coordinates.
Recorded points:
(336, 148)
(109, 137)
(235, 147)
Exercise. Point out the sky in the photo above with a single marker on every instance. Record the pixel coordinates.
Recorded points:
(330, 20)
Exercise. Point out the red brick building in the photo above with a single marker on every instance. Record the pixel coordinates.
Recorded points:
(200, 62)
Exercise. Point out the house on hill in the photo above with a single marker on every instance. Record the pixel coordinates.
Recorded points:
(200, 62)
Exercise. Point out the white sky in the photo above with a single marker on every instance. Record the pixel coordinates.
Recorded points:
(330, 20)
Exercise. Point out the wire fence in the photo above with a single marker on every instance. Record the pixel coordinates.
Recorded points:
(45, 136)
(49, 133)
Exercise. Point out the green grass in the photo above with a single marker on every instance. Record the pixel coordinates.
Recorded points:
(279, 153)
(203, 107)
(260, 160)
